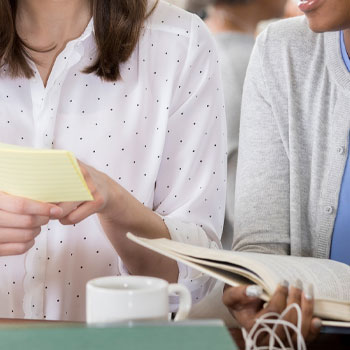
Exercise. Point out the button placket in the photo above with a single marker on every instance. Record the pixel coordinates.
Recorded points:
(35, 267)
(44, 103)
(34, 279)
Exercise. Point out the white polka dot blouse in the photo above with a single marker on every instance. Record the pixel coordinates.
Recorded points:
(159, 132)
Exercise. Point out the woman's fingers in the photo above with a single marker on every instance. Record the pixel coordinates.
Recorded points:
(24, 206)
(9, 220)
(278, 301)
(294, 297)
(311, 326)
(246, 308)
(68, 207)
(20, 222)
(314, 330)
(14, 235)
(276, 305)
(244, 303)
(83, 211)
(307, 310)
(7, 249)
(237, 298)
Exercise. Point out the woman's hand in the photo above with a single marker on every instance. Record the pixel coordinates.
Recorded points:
(245, 306)
(102, 189)
(119, 212)
(20, 222)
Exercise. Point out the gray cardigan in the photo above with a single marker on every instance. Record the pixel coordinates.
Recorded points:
(293, 142)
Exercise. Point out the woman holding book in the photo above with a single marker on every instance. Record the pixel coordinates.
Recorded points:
(293, 181)
(133, 89)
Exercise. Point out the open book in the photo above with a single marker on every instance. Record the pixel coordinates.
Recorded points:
(331, 279)
(45, 175)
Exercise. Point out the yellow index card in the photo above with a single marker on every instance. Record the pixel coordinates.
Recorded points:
(45, 175)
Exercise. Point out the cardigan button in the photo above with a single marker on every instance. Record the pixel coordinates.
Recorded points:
(328, 209)
(341, 150)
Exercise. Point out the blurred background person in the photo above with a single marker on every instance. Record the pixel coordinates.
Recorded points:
(199, 7)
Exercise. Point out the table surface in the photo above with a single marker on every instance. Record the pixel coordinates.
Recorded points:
(324, 341)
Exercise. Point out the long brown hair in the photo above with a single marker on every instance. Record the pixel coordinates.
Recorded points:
(118, 25)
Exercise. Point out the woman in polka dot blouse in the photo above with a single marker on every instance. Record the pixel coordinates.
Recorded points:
(133, 89)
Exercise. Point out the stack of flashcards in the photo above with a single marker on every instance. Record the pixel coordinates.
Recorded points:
(45, 175)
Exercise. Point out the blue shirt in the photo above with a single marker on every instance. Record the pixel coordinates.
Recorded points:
(340, 249)
(344, 52)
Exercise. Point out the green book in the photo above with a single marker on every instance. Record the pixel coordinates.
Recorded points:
(188, 335)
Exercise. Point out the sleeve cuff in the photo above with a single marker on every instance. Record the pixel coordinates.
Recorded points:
(197, 283)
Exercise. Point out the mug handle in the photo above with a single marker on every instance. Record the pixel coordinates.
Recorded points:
(185, 300)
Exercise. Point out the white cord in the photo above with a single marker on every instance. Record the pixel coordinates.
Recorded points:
(268, 323)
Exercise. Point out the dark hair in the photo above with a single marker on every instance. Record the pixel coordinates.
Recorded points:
(117, 23)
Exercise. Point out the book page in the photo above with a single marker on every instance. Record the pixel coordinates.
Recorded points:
(44, 175)
(327, 323)
(331, 279)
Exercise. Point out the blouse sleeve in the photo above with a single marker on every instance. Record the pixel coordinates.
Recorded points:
(191, 183)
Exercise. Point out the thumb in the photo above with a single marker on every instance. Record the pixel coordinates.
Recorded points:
(243, 297)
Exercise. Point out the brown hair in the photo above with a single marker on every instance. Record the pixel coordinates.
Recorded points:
(118, 25)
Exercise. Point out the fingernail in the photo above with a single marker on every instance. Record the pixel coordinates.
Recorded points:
(254, 291)
(317, 323)
(56, 211)
(309, 294)
(298, 284)
(284, 283)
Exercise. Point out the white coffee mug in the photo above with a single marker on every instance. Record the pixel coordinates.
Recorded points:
(129, 298)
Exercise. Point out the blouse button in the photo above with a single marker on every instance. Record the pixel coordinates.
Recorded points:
(329, 209)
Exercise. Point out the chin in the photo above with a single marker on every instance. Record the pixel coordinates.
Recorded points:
(318, 29)
(319, 26)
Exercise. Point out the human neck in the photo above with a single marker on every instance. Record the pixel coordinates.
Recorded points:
(42, 23)
(347, 40)
(237, 18)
